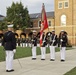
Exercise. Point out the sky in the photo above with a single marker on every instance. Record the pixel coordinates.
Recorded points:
(34, 6)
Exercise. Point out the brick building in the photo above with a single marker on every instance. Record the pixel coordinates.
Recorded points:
(36, 21)
(63, 18)
(1, 17)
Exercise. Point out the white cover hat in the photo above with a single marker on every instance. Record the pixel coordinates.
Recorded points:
(10, 26)
(53, 30)
(62, 30)
(34, 31)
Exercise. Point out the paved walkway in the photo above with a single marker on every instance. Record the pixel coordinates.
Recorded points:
(39, 67)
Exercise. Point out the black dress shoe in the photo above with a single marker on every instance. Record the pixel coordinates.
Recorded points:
(33, 58)
(42, 59)
(52, 60)
(62, 60)
(6, 70)
(10, 70)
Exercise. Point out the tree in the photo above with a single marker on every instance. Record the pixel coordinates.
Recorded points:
(2, 25)
(18, 15)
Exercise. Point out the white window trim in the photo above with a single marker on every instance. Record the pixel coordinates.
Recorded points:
(62, 4)
(68, 3)
(61, 22)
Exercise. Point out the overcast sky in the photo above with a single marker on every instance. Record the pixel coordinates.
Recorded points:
(34, 6)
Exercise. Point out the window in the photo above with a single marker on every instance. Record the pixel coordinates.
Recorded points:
(31, 24)
(39, 24)
(49, 23)
(60, 5)
(66, 4)
(63, 20)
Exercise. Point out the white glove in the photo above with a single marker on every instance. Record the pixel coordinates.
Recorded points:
(32, 40)
(49, 34)
(61, 40)
(43, 41)
(14, 50)
(53, 41)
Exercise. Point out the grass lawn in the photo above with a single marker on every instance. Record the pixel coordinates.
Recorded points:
(23, 52)
(71, 72)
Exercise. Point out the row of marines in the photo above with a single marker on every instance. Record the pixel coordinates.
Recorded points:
(9, 44)
(53, 41)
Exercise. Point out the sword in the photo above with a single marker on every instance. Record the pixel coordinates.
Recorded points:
(18, 61)
(60, 46)
(61, 43)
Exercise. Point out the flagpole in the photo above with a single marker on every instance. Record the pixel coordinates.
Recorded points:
(48, 28)
(44, 24)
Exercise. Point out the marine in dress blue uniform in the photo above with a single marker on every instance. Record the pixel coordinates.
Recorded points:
(9, 43)
(53, 43)
(62, 44)
(34, 45)
(43, 48)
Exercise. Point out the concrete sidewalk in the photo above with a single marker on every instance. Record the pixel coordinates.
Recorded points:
(39, 67)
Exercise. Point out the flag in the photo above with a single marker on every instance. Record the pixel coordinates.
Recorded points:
(44, 24)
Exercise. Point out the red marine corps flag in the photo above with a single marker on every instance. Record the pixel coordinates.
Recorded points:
(44, 24)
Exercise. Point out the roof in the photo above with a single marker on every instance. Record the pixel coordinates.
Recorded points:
(1, 17)
(38, 15)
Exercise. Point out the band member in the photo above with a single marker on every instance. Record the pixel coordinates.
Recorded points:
(16, 36)
(9, 43)
(62, 43)
(43, 48)
(23, 42)
(26, 42)
(23, 38)
(17, 42)
(38, 39)
(53, 43)
(0, 42)
(34, 45)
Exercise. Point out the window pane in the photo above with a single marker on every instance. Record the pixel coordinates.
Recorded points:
(63, 20)
(39, 24)
(49, 23)
(66, 4)
(31, 24)
(60, 5)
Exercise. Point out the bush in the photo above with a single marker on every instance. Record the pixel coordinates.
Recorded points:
(69, 45)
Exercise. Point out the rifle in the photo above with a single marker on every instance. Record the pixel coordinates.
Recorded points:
(43, 38)
(61, 42)
(52, 41)
(33, 40)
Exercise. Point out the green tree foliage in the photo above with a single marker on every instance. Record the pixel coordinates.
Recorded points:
(18, 15)
(3, 25)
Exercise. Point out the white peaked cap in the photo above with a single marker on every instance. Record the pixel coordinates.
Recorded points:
(62, 30)
(53, 30)
(48, 34)
(34, 31)
(10, 26)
